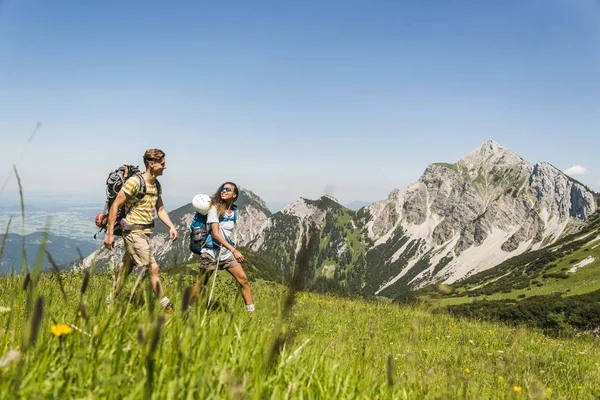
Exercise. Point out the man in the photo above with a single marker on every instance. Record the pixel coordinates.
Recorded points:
(138, 224)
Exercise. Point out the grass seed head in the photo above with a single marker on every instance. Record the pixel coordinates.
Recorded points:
(185, 299)
(26, 281)
(156, 337)
(85, 283)
(36, 320)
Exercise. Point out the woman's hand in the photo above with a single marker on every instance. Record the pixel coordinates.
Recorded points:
(239, 256)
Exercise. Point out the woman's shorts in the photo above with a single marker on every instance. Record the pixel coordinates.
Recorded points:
(208, 262)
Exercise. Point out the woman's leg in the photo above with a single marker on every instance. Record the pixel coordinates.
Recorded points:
(240, 276)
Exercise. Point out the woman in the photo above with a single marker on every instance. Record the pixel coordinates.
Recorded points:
(221, 220)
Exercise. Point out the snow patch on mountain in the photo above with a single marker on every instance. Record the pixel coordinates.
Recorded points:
(479, 258)
(583, 263)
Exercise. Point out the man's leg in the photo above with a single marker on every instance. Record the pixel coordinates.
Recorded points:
(155, 281)
(200, 286)
(141, 253)
(165, 303)
(240, 276)
(125, 268)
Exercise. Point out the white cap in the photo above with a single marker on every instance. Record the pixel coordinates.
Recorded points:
(201, 203)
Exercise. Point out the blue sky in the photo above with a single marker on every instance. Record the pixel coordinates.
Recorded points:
(292, 99)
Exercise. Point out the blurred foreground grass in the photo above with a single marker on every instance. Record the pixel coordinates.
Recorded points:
(321, 347)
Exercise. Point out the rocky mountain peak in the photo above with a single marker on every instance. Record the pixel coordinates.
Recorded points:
(491, 154)
(249, 198)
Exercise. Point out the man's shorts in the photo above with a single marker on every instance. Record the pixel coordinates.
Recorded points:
(137, 249)
(208, 262)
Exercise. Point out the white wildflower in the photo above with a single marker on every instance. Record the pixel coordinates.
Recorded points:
(13, 356)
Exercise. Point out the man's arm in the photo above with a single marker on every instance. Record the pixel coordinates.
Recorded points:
(112, 218)
(164, 217)
(214, 228)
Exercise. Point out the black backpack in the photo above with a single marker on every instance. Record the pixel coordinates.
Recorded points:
(115, 181)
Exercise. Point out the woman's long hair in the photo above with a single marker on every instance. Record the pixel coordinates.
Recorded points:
(218, 202)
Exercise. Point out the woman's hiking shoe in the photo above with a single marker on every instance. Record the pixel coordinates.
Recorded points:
(250, 307)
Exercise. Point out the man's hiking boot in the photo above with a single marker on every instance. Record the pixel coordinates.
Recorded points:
(166, 304)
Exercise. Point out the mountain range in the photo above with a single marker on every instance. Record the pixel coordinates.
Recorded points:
(455, 221)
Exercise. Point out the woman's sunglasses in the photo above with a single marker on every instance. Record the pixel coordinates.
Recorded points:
(226, 189)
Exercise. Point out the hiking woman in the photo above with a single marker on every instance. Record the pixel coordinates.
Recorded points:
(221, 220)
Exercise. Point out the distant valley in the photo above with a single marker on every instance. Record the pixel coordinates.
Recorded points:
(62, 249)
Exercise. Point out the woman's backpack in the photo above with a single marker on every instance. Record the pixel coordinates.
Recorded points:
(201, 236)
(198, 233)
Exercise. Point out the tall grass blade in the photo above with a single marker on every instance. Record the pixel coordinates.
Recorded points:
(39, 261)
(185, 299)
(390, 371)
(36, 321)
(310, 240)
(148, 387)
(56, 273)
(4, 239)
(86, 281)
(24, 266)
(26, 281)
(38, 125)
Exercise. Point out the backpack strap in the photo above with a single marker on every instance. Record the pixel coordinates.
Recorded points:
(222, 217)
(141, 192)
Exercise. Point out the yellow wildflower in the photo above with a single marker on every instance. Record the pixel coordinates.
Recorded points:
(467, 370)
(500, 379)
(517, 389)
(61, 329)
(549, 391)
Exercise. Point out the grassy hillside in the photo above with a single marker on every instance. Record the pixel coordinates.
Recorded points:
(556, 289)
(294, 346)
(571, 267)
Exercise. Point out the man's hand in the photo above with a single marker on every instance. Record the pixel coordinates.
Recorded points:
(239, 256)
(173, 234)
(109, 241)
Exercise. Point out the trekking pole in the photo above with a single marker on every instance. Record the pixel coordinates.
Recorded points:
(212, 288)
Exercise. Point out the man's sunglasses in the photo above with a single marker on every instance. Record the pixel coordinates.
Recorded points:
(226, 189)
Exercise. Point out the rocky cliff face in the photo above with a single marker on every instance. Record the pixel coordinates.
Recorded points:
(456, 220)
(474, 214)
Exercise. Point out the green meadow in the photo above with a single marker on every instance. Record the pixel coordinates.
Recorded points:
(60, 339)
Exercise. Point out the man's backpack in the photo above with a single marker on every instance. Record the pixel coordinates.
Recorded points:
(114, 182)
(201, 236)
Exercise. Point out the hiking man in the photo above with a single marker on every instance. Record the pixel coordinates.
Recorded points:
(138, 223)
